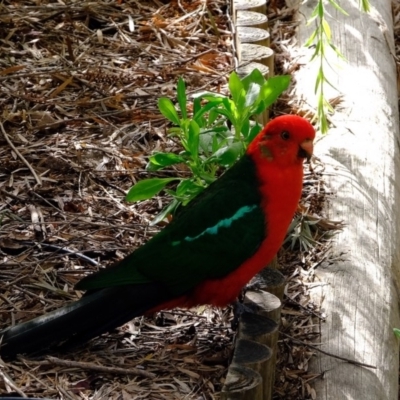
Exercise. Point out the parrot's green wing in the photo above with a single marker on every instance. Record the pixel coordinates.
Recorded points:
(210, 238)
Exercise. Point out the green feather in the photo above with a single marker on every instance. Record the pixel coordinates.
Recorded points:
(211, 237)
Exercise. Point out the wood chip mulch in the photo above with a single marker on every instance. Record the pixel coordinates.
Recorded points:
(79, 84)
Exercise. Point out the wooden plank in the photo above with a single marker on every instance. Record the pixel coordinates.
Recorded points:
(254, 52)
(249, 5)
(244, 381)
(361, 154)
(251, 18)
(269, 308)
(241, 383)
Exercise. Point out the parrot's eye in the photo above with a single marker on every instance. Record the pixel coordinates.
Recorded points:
(285, 135)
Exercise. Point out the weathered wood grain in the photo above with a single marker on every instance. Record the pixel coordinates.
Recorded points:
(361, 154)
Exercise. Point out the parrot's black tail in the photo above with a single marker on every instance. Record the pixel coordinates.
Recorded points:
(95, 313)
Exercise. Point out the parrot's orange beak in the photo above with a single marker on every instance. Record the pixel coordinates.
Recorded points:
(306, 149)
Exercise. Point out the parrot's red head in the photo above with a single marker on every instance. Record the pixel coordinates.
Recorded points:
(286, 140)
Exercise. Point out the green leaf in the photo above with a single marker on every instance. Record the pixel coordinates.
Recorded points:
(167, 109)
(255, 77)
(175, 131)
(337, 51)
(230, 108)
(181, 93)
(206, 108)
(327, 29)
(198, 113)
(209, 96)
(273, 88)
(226, 113)
(196, 105)
(320, 78)
(162, 160)
(316, 52)
(329, 83)
(187, 190)
(365, 6)
(252, 94)
(216, 144)
(260, 108)
(207, 178)
(254, 131)
(169, 209)
(238, 109)
(310, 40)
(212, 117)
(147, 188)
(337, 6)
(228, 154)
(245, 127)
(314, 14)
(396, 331)
(321, 10)
(215, 136)
(193, 139)
(328, 105)
(235, 87)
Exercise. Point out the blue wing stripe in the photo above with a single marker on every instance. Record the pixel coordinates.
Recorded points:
(224, 223)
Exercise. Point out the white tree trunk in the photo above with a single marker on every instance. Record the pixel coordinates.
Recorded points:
(362, 159)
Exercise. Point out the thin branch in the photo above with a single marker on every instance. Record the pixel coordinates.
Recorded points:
(349, 360)
(94, 367)
(37, 178)
(9, 382)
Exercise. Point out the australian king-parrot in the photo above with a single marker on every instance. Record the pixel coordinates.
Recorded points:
(206, 255)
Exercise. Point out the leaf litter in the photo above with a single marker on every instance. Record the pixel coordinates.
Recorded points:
(79, 87)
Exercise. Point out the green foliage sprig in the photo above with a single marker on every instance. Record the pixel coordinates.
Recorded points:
(208, 145)
(322, 38)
